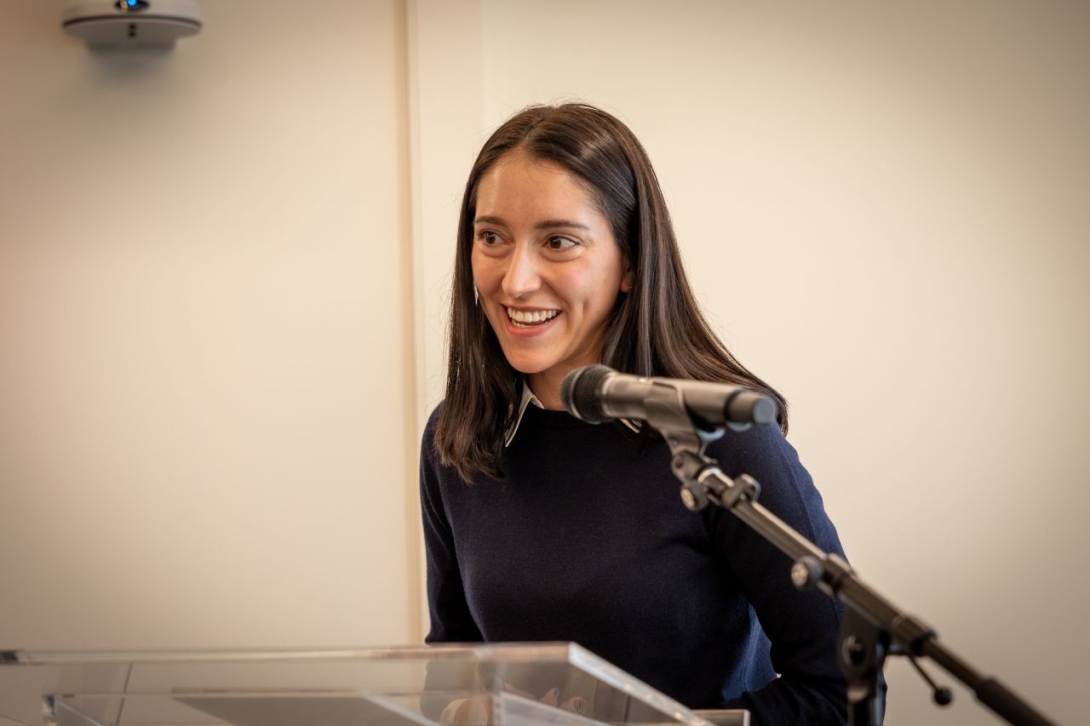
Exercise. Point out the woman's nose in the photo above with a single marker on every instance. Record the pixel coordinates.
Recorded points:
(522, 274)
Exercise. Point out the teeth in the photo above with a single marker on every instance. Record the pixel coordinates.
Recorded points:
(530, 318)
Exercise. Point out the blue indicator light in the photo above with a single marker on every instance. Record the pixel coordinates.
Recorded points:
(131, 6)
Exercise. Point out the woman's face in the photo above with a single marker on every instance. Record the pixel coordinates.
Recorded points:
(546, 267)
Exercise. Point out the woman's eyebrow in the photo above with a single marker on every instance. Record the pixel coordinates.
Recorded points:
(543, 224)
(553, 223)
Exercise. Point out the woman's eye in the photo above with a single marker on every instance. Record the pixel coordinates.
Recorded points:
(487, 238)
(559, 243)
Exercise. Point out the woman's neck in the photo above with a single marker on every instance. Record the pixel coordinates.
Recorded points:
(546, 390)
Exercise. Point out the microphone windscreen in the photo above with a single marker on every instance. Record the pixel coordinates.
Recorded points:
(580, 393)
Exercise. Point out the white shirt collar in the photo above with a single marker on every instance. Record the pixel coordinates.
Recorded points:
(528, 397)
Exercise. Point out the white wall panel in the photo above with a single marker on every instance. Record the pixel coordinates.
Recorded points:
(205, 428)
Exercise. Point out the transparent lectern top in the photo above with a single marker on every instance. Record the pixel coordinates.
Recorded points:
(504, 684)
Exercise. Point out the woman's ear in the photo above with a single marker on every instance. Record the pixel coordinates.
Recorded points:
(626, 278)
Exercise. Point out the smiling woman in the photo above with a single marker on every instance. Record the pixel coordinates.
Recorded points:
(539, 526)
(547, 269)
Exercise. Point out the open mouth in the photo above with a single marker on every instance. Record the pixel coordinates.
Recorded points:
(528, 319)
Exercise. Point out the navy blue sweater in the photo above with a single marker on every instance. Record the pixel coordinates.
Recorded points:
(585, 539)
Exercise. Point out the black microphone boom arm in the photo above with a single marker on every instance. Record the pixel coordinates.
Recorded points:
(873, 626)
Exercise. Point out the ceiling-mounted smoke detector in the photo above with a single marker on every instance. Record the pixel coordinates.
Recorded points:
(131, 23)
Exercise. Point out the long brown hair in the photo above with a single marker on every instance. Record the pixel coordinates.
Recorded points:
(656, 329)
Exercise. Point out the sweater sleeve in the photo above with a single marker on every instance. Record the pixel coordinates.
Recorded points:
(451, 619)
(801, 627)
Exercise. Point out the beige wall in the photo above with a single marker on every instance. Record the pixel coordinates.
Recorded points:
(220, 328)
(884, 209)
(206, 437)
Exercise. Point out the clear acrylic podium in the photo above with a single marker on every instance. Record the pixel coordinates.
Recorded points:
(466, 684)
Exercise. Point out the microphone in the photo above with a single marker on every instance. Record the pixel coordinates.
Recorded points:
(597, 393)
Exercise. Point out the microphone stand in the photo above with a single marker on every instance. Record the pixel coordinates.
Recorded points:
(872, 628)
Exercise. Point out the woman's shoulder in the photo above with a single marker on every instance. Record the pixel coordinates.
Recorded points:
(433, 418)
(761, 445)
(764, 453)
(427, 440)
